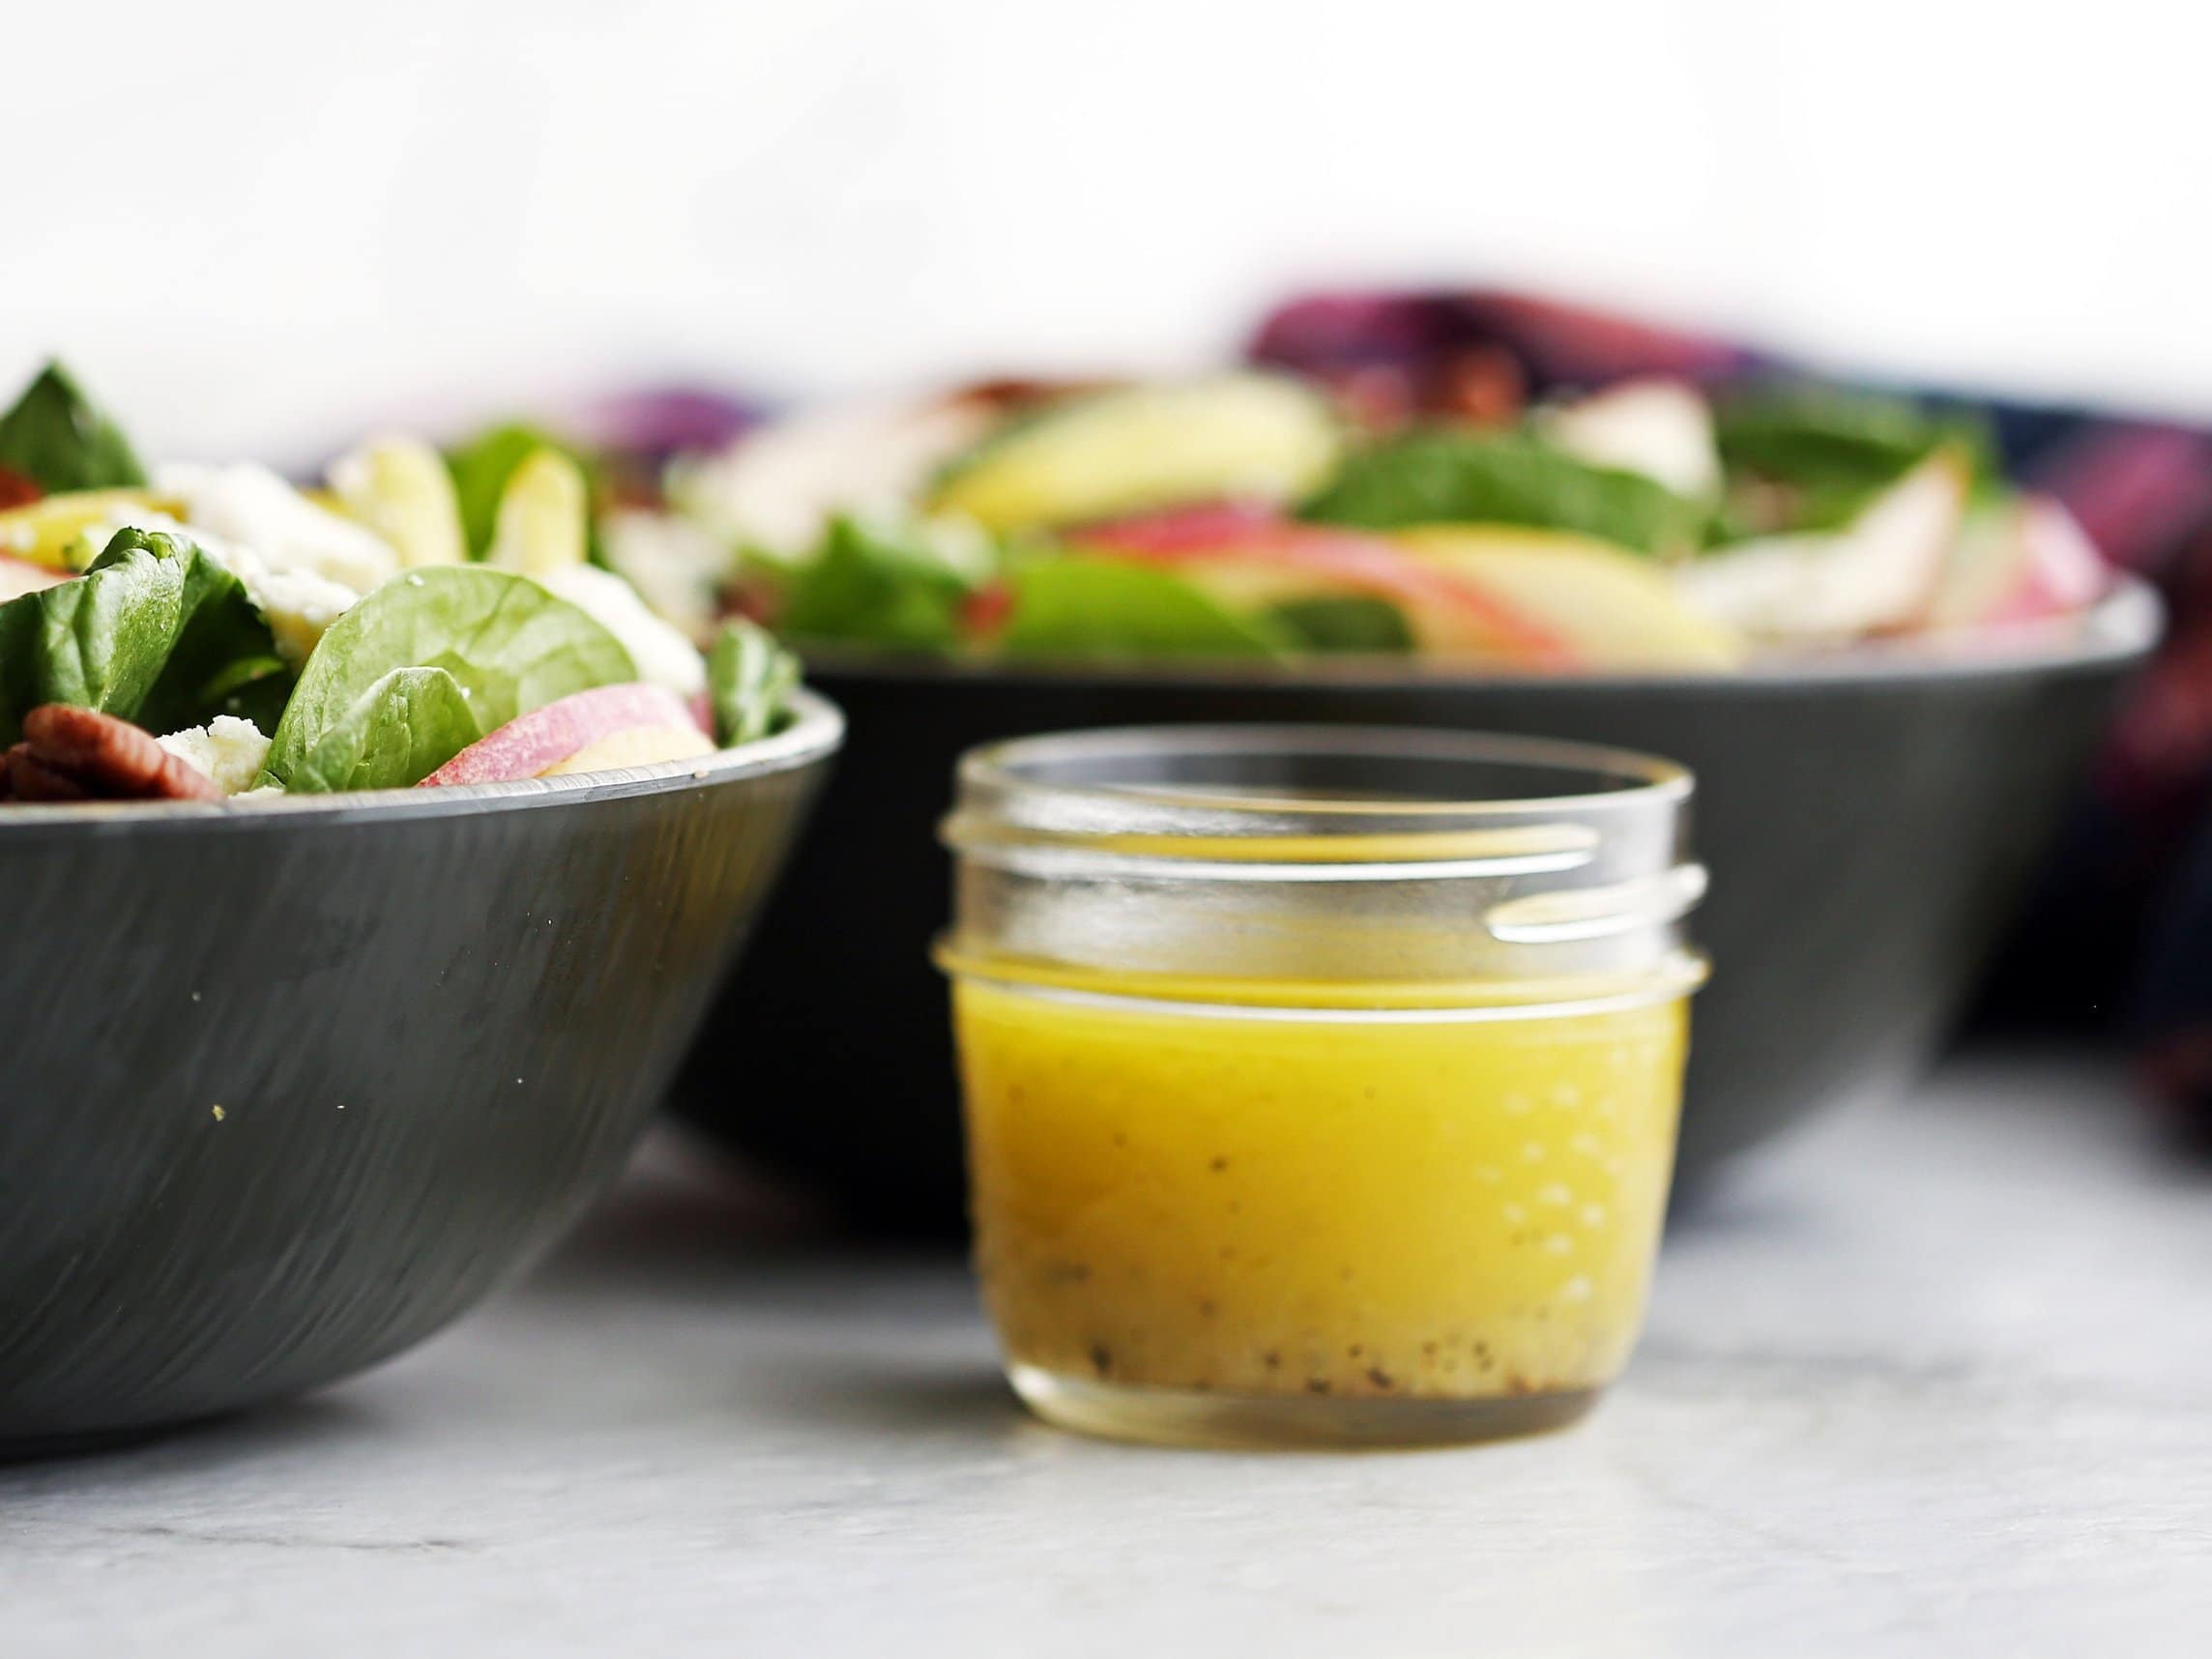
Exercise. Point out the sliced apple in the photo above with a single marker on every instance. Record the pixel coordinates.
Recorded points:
(1251, 557)
(533, 744)
(48, 531)
(1877, 573)
(1138, 447)
(1613, 610)
(2022, 561)
(544, 518)
(19, 576)
(636, 745)
(400, 489)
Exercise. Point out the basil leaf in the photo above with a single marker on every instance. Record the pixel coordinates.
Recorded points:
(508, 644)
(749, 680)
(56, 438)
(868, 587)
(1455, 478)
(154, 631)
(1349, 623)
(396, 734)
(1079, 607)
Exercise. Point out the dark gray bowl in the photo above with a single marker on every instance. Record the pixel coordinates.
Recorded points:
(284, 1090)
(1869, 822)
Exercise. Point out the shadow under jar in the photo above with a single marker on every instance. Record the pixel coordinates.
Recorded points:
(1321, 1083)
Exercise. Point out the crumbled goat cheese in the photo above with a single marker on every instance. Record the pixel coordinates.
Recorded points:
(228, 750)
(251, 507)
(662, 655)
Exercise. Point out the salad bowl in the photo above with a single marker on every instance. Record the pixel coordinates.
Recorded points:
(290, 1086)
(1869, 820)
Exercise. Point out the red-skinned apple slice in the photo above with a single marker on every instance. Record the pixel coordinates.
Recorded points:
(19, 576)
(2025, 561)
(532, 744)
(1246, 553)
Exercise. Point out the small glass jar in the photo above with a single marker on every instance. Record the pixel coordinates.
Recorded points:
(1321, 1083)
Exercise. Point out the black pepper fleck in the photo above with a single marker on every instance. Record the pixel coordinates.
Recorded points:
(1380, 1378)
(1101, 1358)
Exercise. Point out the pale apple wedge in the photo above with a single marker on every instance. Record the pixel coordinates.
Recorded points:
(1249, 558)
(48, 532)
(19, 576)
(636, 745)
(1612, 610)
(533, 744)
(400, 489)
(1874, 574)
(544, 518)
(2022, 561)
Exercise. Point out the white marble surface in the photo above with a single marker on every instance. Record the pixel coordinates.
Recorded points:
(1933, 1380)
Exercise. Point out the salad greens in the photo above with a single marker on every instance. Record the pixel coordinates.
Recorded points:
(507, 643)
(171, 627)
(870, 586)
(1349, 623)
(749, 678)
(404, 727)
(54, 437)
(153, 630)
(1077, 605)
(1441, 477)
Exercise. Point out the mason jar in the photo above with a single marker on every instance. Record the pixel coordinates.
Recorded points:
(1321, 1084)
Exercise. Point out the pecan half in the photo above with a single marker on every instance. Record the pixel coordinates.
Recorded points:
(80, 754)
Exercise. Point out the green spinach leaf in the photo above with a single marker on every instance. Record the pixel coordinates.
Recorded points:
(1353, 622)
(507, 644)
(56, 438)
(1838, 440)
(749, 680)
(1069, 605)
(1456, 478)
(867, 586)
(154, 631)
(396, 734)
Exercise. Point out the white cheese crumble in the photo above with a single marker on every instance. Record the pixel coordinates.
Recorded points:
(252, 507)
(228, 750)
(676, 567)
(775, 489)
(663, 656)
(1661, 428)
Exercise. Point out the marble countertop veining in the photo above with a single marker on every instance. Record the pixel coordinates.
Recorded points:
(1934, 1378)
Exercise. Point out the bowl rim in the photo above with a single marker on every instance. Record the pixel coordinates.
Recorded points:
(2118, 630)
(817, 732)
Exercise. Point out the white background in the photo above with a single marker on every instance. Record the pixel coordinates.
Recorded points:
(254, 225)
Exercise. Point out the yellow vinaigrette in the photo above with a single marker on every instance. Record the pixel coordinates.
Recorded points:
(1282, 1202)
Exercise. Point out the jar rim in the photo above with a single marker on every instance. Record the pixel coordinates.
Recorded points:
(1046, 775)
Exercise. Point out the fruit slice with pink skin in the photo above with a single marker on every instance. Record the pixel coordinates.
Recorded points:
(1872, 575)
(1616, 610)
(533, 743)
(19, 576)
(2023, 561)
(1250, 556)
(636, 745)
